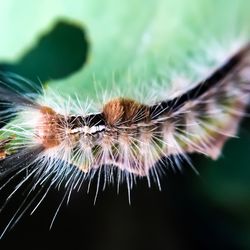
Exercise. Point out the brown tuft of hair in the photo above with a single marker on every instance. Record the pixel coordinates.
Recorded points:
(124, 111)
(48, 129)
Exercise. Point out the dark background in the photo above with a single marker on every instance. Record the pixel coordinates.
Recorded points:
(181, 216)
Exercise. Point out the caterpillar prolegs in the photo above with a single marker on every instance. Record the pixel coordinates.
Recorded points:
(126, 138)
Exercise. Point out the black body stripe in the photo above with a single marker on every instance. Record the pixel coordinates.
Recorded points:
(89, 120)
(165, 106)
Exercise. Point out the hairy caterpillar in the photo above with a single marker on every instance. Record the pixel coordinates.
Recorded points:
(126, 138)
(127, 134)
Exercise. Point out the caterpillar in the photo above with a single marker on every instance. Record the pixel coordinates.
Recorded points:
(126, 136)
(55, 141)
(201, 118)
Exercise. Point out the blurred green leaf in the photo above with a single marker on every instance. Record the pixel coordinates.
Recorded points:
(131, 41)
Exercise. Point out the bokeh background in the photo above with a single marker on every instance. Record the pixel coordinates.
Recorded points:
(69, 46)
